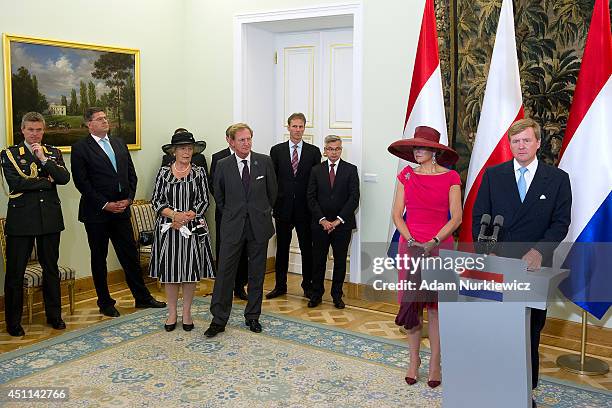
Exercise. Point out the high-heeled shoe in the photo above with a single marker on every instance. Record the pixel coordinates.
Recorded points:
(410, 380)
(433, 383)
(188, 327)
(169, 327)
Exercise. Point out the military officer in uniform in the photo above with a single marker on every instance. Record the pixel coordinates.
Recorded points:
(32, 171)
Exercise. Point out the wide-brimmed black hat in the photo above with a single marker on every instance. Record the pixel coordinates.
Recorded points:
(424, 136)
(184, 138)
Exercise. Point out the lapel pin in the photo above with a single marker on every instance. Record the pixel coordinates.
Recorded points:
(542, 197)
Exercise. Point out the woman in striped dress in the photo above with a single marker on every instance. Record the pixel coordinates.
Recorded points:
(181, 253)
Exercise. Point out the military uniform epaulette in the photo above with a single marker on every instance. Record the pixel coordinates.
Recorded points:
(25, 167)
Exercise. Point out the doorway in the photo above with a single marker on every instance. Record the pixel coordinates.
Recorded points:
(320, 50)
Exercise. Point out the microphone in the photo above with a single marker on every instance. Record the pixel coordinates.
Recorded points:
(484, 224)
(498, 223)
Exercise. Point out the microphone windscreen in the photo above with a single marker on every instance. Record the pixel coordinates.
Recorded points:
(499, 220)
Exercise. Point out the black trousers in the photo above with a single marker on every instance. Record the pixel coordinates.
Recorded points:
(538, 320)
(339, 241)
(119, 232)
(222, 298)
(283, 241)
(18, 251)
(243, 265)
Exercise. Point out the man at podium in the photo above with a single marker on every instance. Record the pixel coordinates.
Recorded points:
(535, 201)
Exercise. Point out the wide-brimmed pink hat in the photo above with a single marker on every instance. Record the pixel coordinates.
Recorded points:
(424, 136)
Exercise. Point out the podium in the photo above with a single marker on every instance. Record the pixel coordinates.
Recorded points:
(484, 333)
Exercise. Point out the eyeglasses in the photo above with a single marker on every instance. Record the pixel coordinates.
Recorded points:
(333, 149)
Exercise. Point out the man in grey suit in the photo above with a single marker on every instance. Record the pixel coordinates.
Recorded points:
(245, 191)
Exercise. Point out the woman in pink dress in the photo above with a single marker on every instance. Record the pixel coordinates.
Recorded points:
(427, 194)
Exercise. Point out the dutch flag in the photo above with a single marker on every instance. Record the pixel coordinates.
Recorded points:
(586, 156)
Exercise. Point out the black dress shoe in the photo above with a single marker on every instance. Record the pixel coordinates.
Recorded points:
(109, 311)
(339, 304)
(213, 330)
(15, 331)
(254, 325)
(150, 303)
(276, 292)
(240, 293)
(169, 327)
(314, 302)
(188, 327)
(57, 324)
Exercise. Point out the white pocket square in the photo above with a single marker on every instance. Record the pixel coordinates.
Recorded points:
(259, 177)
(542, 197)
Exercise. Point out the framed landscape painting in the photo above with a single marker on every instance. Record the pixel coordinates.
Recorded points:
(62, 79)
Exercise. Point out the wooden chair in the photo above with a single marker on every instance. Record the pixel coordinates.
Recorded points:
(143, 222)
(34, 276)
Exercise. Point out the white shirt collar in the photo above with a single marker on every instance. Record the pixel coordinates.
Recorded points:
(29, 146)
(531, 167)
(336, 164)
(239, 160)
(299, 145)
(97, 138)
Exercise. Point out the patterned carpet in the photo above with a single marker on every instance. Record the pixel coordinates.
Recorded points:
(131, 361)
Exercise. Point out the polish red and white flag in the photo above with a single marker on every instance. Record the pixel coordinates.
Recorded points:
(502, 106)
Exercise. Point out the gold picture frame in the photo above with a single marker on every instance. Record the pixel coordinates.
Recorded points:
(61, 78)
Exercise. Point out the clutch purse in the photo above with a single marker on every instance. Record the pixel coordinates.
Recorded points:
(145, 238)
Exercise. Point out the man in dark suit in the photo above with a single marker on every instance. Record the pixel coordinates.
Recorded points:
(198, 158)
(242, 274)
(32, 171)
(245, 190)
(105, 176)
(535, 200)
(293, 160)
(333, 197)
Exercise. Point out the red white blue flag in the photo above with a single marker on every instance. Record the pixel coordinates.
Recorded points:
(586, 156)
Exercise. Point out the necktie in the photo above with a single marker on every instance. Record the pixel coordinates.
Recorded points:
(294, 160)
(522, 184)
(246, 177)
(332, 174)
(109, 151)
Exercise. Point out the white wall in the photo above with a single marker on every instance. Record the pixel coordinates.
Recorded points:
(155, 27)
(187, 80)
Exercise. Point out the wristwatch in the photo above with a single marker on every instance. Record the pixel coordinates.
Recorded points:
(436, 240)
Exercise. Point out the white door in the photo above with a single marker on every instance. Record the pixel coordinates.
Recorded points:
(314, 75)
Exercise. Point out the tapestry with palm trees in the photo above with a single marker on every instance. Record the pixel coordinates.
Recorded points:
(550, 38)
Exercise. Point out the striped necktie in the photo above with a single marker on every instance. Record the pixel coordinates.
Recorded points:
(294, 160)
